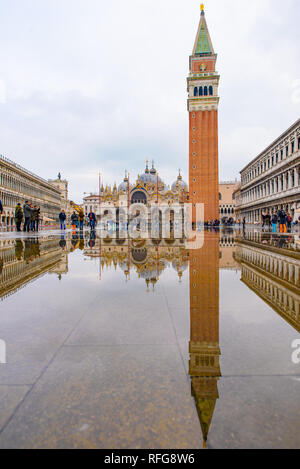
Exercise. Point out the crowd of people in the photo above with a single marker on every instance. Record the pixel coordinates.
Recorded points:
(78, 220)
(281, 221)
(29, 215)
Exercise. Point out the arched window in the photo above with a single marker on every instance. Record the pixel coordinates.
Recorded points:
(201, 91)
(211, 91)
(195, 91)
(205, 91)
(139, 198)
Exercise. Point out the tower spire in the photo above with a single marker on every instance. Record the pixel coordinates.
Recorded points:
(203, 44)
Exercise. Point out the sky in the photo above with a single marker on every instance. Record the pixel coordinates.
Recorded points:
(94, 85)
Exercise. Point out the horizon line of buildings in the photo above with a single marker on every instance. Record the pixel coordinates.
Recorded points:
(269, 183)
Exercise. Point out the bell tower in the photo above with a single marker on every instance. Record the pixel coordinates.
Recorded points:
(203, 101)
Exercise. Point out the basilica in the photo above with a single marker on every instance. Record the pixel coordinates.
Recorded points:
(148, 189)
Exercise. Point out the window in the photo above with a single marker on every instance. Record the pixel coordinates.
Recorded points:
(293, 147)
(287, 151)
(281, 154)
(201, 91)
(277, 158)
(220, 196)
(205, 91)
(195, 91)
(211, 91)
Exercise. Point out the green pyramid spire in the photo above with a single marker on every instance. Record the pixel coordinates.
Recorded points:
(203, 44)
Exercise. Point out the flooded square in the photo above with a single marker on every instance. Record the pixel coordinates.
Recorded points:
(117, 343)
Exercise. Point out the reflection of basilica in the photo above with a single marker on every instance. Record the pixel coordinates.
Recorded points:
(23, 260)
(204, 366)
(274, 277)
(149, 258)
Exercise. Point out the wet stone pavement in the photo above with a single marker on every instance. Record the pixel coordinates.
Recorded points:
(111, 343)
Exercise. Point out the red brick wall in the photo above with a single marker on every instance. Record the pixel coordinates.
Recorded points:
(206, 161)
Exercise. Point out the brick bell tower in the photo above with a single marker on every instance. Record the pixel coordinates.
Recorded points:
(203, 100)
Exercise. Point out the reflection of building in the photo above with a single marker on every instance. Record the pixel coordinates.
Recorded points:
(18, 185)
(271, 181)
(273, 277)
(148, 258)
(227, 248)
(203, 103)
(227, 199)
(204, 366)
(22, 261)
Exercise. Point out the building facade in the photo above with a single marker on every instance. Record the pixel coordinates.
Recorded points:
(148, 189)
(63, 186)
(18, 185)
(227, 199)
(271, 181)
(203, 100)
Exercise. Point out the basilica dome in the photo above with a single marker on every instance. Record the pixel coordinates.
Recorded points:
(124, 185)
(179, 184)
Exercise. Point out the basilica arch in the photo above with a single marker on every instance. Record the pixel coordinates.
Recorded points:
(139, 197)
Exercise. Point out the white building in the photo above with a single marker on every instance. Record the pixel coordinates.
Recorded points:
(17, 184)
(270, 182)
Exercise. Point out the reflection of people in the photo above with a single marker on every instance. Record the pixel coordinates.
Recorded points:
(62, 243)
(32, 250)
(19, 248)
(74, 241)
(81, 242)
(92, 239)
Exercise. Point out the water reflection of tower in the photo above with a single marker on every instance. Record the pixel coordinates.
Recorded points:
(205, 351)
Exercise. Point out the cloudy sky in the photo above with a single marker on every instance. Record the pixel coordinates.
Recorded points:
(89, 85)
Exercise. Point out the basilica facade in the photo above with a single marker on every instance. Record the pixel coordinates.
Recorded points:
(148, 189)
